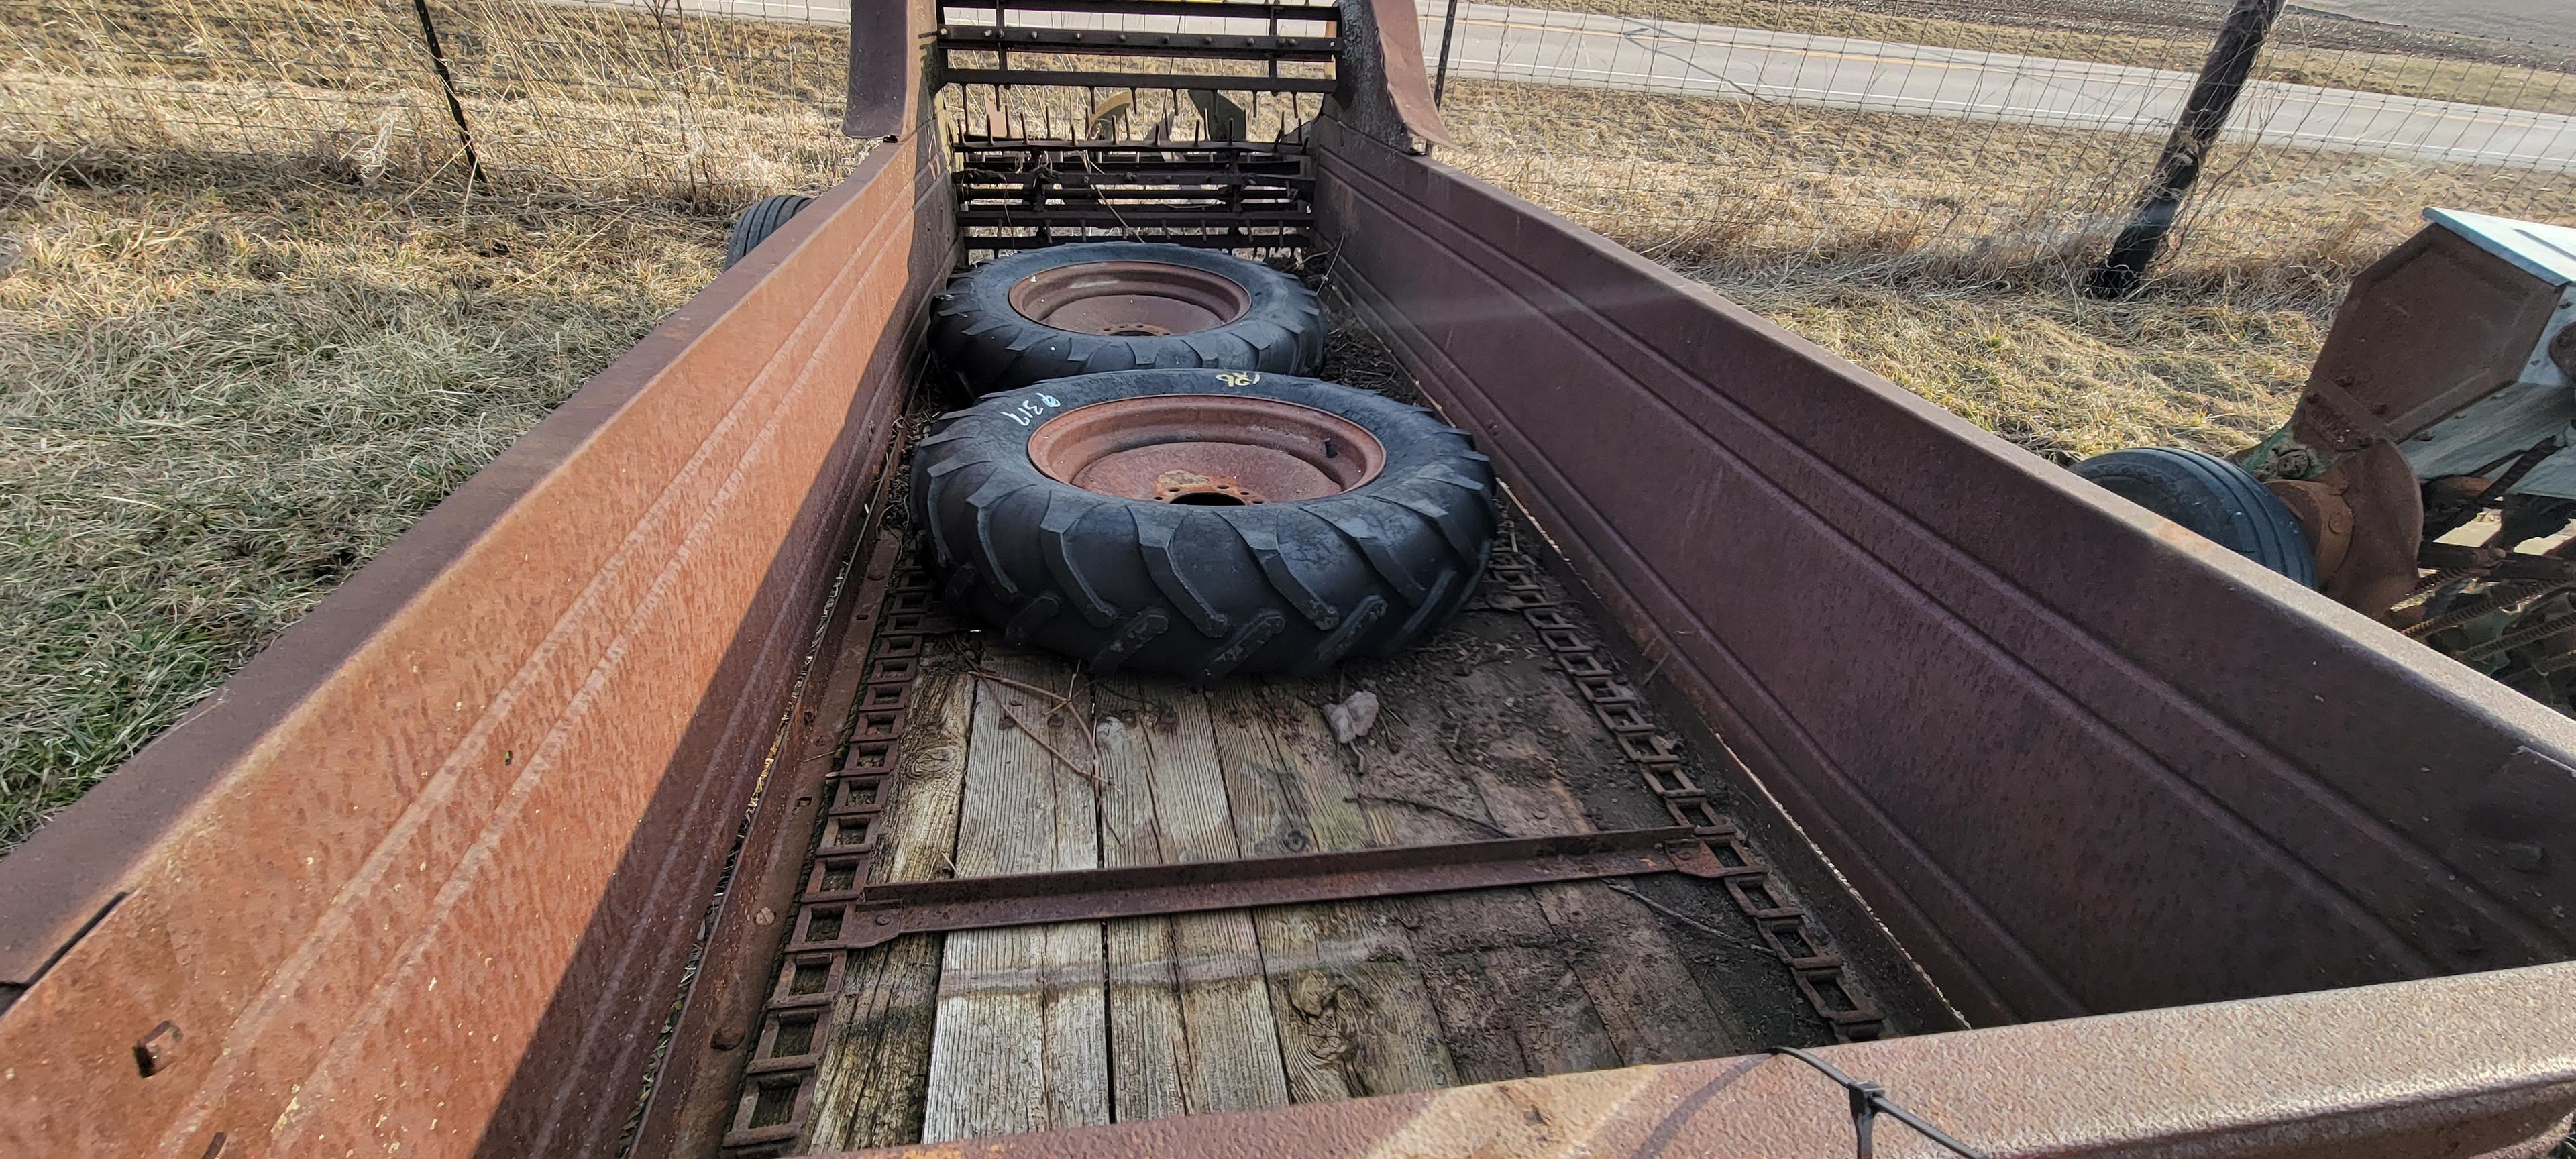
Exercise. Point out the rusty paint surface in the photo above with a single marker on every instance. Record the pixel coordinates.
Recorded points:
(2384, 374)
(425, 872)
(2324, 518)
(2386, 506)
(1395, 33)
(879, 914)
(1161, 447)
(892, 69)
(1382, 90)
(2076, 763)
(2466, 1066)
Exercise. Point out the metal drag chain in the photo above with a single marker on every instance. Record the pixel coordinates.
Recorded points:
(796, 1020)
(778, 1086)
(1513, 584)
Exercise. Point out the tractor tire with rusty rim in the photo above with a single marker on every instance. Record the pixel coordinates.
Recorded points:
(1203, 523)
(1103, 306)
(2213, 497)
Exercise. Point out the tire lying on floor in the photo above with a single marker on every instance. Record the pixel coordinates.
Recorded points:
(1102, 306)
(1203, 523)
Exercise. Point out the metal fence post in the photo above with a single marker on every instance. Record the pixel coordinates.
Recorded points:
(447, 81)
(2204, 113)
(1440, 77)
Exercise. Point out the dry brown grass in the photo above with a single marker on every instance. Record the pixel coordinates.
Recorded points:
(2054, 371)
(1709, 182)
(220, 393)
(1945, 254)
(559, 96)
(2304, 50)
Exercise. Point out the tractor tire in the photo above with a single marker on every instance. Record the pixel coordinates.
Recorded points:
(1203, 523)
(1103, 306)
(2212, 497)
(758, 222)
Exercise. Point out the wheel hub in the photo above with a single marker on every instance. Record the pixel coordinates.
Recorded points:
(1133, 299)
(1206, 450)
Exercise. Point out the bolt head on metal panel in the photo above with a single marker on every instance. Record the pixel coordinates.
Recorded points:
(159, 1050)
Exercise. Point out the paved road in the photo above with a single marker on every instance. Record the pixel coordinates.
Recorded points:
(1495, 42)
(1501, 43)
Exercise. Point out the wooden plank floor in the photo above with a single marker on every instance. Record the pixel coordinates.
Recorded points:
(996, 1031)
(1189, 1015)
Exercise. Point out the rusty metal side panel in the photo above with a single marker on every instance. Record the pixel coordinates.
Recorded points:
(2483, 1065)
(892, 67)
(2382, 356)
(1383, 91)
(425, 873)
(2076, 759)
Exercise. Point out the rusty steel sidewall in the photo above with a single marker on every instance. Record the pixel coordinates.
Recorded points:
(1130, 298)
(1162, 448)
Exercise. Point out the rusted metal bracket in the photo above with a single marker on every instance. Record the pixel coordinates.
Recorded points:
(2497, 563)
(880, 913)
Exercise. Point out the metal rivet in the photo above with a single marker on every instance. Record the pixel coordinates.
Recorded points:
(158, 1049)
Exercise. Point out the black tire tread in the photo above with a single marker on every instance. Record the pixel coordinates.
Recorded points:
(1167, 589)
(1283, 578)
(754, 224)
(1067, 570)
(1032, 616)
(1434, 607)
(1374, 548)
(1154, 534)
(2212, 497)
(996, 488)
(1362, 617)
(928, 487)
(992, 346)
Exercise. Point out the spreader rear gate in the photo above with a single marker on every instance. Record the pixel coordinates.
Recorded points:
(1140, 120)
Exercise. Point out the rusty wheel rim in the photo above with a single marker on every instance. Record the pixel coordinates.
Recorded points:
(1207, 450)
(1130, 298)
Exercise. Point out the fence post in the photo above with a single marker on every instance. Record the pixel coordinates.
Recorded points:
(1440, 78)
(447, 81)
(2204, 113)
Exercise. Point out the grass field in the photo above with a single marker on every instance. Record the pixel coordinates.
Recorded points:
(562, 98)
(2059, 373)
(220, 393)
(1705, 181)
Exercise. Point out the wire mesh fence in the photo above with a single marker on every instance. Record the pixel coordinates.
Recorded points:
(2003, 139)
(653, 99)
(1998, 138)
